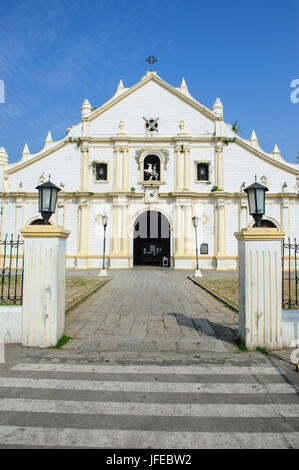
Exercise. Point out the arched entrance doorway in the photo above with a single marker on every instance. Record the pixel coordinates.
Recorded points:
(151, 239)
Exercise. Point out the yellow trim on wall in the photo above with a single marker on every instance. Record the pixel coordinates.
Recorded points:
(259, 233)
(44, 231)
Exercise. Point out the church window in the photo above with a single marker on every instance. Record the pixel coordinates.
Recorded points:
(101, 172)
(202, 172)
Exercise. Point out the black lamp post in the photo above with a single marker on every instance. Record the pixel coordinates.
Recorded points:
(47, 198)
(256, 201)
(105, 222)
(195, 224)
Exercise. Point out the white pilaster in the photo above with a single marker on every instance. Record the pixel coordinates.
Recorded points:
(178, 230)
(125, 176)
(84, 186)
(243, 215)
(188, 230)
(116, 179)
(285, 217)
(219, 167)
(187, 173)
(178, 169)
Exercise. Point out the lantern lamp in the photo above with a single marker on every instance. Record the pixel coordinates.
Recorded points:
(195, 221)
(105, 220)
(256, 201)
(103, 271)
(47, 198)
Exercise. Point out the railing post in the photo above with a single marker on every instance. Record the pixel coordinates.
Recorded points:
(44, 284)
(260, 292)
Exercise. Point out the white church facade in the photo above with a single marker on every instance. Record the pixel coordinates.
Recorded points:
(150, 159)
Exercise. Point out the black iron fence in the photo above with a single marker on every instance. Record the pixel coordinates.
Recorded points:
(290, 253)
(11, 271)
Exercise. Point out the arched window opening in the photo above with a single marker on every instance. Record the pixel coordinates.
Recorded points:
(267, 223)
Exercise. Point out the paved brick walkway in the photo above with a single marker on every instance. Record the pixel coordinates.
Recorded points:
(151, 310)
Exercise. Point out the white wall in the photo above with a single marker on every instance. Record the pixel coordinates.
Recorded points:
(241, 165)
(11, 323)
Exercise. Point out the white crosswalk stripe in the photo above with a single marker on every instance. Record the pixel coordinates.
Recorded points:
(149, 369)
(94, 438)
(148, 406)
(145, 409)
(163, 387)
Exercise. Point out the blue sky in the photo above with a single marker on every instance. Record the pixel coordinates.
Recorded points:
(54, 54)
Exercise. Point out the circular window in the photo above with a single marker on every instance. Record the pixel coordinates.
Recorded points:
(151, 125)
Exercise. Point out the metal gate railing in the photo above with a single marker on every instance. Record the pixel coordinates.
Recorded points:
(11, 272)
(290, 274)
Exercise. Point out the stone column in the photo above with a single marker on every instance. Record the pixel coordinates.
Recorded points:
(188, 230)
(220, 227)
(83, 226)
(179, 232)
(84, 170)
(44, 285)
(219, 167)
(178, 169)
(187, 174)
(125, 180)
(260, 297)
(285, 216)
(114, 234)
(124, 230)
(243, 215)
(116, 172)
(18, 215)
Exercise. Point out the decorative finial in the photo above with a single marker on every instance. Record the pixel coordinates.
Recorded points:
(85, 109)
(151, 60)
(218, 107)
(26, 150)
(276, 152)
(49, 137)
(49, 140)
(3, 155)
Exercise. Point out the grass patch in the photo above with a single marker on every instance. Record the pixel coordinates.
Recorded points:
(262, 350)
(227, 289)
(242, 347)
(73, 301)
(63, 340)
(76, 288)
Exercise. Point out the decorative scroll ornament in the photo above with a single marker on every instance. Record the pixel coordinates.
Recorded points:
(98, 218)
(204, 219)
(164, 153)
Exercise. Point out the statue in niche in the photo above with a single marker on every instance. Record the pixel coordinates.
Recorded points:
(151, 172)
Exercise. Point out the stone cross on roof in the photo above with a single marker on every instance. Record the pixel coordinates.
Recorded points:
(151, 60)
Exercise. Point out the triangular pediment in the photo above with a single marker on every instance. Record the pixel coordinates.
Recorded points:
(152, 77)
(151, 98)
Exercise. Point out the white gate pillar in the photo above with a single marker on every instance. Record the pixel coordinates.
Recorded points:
(44, 285)
(260, 296)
